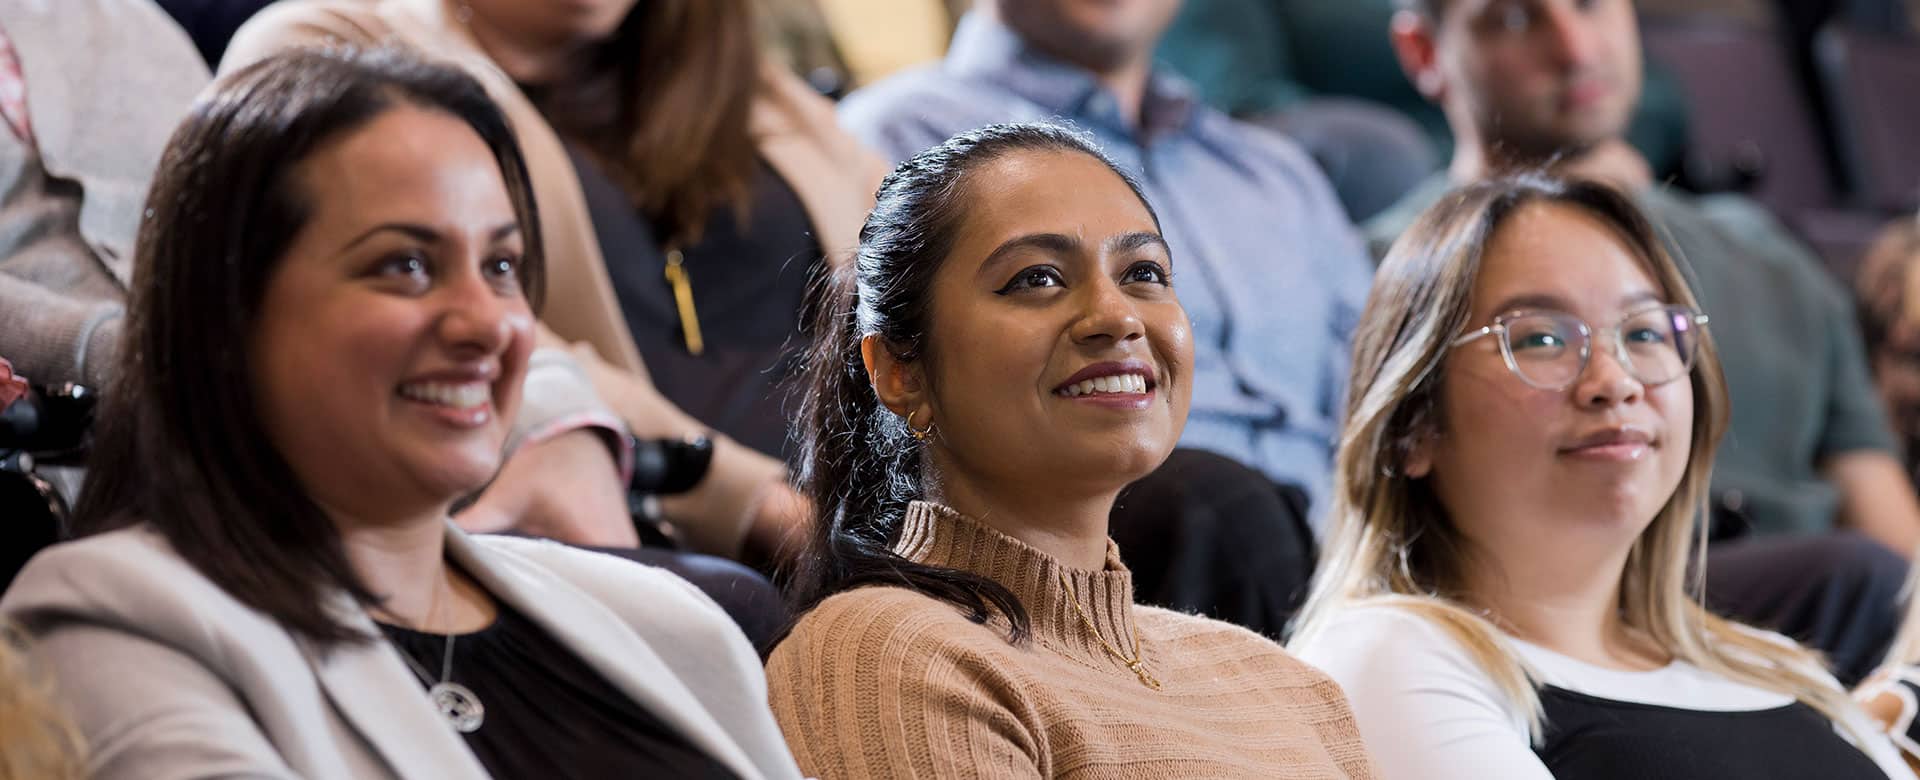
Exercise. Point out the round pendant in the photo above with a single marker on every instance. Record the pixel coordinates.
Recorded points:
(458, 704)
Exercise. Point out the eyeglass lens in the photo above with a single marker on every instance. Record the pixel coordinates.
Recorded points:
(1551, 349)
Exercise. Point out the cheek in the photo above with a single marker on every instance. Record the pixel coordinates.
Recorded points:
(513, 364)
(1674, 400)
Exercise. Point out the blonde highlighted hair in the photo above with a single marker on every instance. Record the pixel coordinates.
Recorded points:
(37, 742)
(1391, 542)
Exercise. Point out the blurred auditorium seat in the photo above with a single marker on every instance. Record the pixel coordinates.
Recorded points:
(1872, 84)
(1749, 120)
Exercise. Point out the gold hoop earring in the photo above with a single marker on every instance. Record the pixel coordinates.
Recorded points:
(918, 434)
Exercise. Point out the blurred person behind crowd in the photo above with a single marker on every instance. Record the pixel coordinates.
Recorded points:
(1274, 278)
(1886, 289)
(1007, 353)
(330, 325)
(689, 190)
(1510, 589)
(1812, 507)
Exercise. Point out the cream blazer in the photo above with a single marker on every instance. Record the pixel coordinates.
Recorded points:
(834, 176)
(169, 676)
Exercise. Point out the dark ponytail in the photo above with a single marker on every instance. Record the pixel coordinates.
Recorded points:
(858, 464)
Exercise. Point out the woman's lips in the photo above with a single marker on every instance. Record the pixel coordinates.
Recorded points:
(1123, 384)
(1622, 444)
(463, 404)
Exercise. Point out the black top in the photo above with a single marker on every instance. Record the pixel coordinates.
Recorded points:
(549, 714)
(1590, 738)
(749, 282)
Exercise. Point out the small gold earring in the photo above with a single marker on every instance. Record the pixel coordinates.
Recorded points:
(918, 434)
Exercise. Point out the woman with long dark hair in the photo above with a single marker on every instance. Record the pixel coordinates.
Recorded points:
(1005, 354)
(690, 189)
(332, 317)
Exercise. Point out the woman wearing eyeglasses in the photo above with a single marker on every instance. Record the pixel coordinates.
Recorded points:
(1519, 493)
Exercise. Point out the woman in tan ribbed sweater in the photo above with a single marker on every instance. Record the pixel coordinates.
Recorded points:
(1004, 356)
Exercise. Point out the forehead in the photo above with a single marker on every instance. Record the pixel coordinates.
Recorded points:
(407, 162)
(1565, 253)
(1047, 191)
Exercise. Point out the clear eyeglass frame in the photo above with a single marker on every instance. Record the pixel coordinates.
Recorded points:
(1682, 318)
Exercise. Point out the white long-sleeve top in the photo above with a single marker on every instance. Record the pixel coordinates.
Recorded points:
(1427, 711)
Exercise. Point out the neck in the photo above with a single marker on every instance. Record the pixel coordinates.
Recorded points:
(402, 560)
(1567, 604)
(1125, 77)
(1071, 529)
(526, 59)
(1128, 83)
(1613, 161)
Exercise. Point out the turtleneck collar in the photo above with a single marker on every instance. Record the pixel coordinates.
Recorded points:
(939, 536)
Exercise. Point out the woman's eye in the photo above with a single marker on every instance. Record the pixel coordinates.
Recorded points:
(503, 266)
(408, 264)
(410, 269)
(1646, 336)
(1538, 340)
(1149, 272)
(1033, 278)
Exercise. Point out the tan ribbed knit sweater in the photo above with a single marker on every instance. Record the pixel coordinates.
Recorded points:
(882, 682)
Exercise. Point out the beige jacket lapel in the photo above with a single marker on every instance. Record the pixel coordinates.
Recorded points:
(375, 692)
(604, 641)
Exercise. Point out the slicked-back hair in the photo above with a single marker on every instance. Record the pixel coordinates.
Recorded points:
(182, 446)
(858, 463)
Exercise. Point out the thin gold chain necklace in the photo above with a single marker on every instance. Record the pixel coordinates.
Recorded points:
(1134, 664)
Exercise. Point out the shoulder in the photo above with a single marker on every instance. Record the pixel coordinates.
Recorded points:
(910, 111)
(881, 619)
(892, 636)
(1722, 229)
(132, 582)
(630, 588)
(132, 569)
(294, 23)
(1390, 648)
(1221, 645)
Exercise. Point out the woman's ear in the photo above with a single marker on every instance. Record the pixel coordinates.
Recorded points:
(1416, 451)
(1419, 461)
(898, 383)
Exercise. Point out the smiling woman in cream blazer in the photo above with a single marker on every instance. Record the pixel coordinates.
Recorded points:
(331, 320)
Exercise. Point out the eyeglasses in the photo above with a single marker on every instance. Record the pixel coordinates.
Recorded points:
(1549, 349)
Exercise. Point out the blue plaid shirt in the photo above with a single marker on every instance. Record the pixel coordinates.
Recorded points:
(1268, 267)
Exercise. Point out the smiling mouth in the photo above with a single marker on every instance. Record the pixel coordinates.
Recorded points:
(1118, 384)
(459, 396)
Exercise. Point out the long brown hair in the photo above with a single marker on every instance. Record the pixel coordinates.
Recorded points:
(663, 106)
(1390, 541)
(181, 446)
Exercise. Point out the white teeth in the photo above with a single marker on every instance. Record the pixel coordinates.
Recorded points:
(465, 395)
(1120, 383)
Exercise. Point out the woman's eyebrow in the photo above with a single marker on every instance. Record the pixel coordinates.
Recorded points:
(1058, 243)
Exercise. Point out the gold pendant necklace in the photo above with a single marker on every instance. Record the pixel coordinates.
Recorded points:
(682, 285)
(1134, 664)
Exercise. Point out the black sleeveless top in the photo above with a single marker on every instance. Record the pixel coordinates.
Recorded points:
(749, 280)
(548, 714)
(1590, 738)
